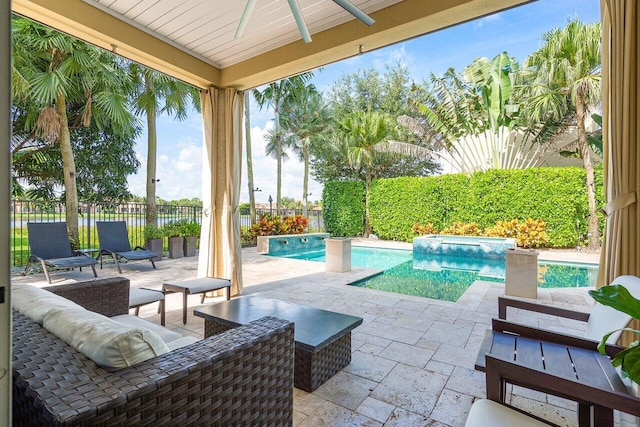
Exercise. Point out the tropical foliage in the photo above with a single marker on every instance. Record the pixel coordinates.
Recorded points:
(156, 93)
(277, 95)
(60, 84)
(561, 84)
(619, 298)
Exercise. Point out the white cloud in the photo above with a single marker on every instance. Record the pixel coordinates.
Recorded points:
(487, 20)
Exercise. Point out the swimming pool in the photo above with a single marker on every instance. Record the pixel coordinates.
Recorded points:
(447, 278)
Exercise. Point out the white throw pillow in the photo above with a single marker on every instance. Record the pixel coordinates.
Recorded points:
(34, 302)
(108, 343)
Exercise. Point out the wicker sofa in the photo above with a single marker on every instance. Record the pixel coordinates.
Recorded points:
(240, 377)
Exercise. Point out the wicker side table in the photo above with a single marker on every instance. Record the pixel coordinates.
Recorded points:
(322, 338)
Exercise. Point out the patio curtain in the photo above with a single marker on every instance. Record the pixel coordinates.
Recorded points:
(620, 78)
(220, 250)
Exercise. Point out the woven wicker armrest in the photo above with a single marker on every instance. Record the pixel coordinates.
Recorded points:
(241, 377)
(108, 296)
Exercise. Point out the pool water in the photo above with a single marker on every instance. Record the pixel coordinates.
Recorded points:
(447, 278)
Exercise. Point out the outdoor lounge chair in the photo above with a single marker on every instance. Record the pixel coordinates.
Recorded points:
(114, 242)
(600, 321)
(49, 244)
(563, 365)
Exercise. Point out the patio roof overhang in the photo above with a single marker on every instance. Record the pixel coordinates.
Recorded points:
(111, 30)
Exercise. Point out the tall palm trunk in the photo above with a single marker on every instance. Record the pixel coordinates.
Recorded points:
(247, 132)
(69, 171)
(151, 215)
(367, 185)
(594, 233)
(279, 161)
(305, 183)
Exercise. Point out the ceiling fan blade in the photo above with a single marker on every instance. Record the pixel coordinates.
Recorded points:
(245, 18)
(302, 26)
(349, 7)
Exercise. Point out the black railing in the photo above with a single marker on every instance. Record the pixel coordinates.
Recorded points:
(24, 211)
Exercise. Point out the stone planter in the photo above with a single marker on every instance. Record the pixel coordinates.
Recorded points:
(155, 245)
(189, 246)
(521, 279)
(338, 254)
(175, 247)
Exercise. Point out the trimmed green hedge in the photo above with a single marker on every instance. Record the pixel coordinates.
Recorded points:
(556, 195)
(343, 208)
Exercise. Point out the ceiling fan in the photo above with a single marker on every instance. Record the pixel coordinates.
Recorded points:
(297, 14)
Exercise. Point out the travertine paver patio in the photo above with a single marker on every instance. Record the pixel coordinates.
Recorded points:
(413, 357)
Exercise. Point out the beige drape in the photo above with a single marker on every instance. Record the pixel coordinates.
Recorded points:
(220, 250)
(620, 119)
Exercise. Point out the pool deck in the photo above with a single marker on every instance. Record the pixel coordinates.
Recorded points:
(413, 357)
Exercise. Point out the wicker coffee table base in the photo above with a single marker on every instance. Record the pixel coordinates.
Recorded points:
(312, 369)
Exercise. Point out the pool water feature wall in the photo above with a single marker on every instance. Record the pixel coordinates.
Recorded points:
(291, 243)
(493, 248)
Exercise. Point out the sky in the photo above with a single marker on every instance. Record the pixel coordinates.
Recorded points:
(517, 31)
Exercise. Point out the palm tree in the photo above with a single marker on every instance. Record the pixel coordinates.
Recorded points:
(363, 134)
(275, 95)
(305, 120)
(53, 72)
(477, 119)
(247, 135)
(564, 81)
(156, 93)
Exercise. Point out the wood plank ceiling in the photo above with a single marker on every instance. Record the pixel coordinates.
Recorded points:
(206, 28)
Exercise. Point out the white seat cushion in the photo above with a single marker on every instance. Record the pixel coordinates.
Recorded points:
(141, 296)
(604, 319)
(487, 413)
(165, 334)
(35, 302)
(110, 344)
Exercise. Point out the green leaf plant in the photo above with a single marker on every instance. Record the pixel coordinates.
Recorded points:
(619, 298)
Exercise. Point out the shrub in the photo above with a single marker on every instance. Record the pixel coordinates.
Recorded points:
(532, 233)
(556, 195)
(188, 229)
(343, 208)
(152, 232)
(273, 225)
(507, 229)
(461, 229)
(422, 230)
(172, 229)
(295, 224)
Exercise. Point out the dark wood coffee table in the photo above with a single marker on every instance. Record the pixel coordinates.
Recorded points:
(322, 338)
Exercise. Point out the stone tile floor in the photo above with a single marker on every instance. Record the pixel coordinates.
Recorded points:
(413, 357)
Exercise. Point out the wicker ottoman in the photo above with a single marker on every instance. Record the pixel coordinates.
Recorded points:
(322, 338)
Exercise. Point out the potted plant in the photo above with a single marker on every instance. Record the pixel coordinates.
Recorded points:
(153, 238)
(173, 231)
(619, 298)
(190, 231)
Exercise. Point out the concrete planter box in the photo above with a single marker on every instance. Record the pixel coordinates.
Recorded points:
(155, 245)
(338, 255)
(189, 246)
(175, 247)
(522, 273)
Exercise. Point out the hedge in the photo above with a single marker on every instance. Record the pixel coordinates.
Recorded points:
(556, 195)
(343, 208)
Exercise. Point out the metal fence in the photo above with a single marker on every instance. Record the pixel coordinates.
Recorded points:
(24, 211)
